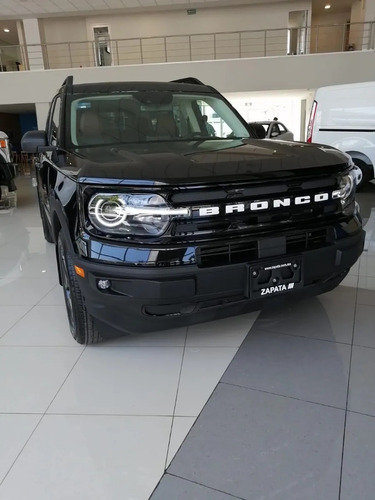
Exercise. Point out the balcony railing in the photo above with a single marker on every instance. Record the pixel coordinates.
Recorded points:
(197, 47)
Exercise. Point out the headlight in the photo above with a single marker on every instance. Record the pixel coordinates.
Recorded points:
(346, 187)
(131, 214)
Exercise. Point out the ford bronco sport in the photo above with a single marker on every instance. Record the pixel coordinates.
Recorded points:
(158, 223)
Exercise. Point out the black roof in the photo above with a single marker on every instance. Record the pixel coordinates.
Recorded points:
(105, 87)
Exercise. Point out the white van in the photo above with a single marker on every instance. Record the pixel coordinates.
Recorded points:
(343, 116)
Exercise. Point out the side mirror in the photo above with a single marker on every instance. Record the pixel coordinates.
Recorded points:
(35, 141)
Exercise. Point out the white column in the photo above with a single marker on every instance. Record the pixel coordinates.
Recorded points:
(33, 43)
(41, 109)
(369, 8)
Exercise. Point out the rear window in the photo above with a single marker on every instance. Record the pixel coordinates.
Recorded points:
(151, 116)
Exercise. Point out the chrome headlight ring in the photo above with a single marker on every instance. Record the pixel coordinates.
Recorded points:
(138, 214)
(109, 212)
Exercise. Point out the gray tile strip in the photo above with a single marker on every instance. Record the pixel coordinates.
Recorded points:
(275, 425)
(175, 488)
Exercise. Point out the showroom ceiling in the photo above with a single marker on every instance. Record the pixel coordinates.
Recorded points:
(18, 9)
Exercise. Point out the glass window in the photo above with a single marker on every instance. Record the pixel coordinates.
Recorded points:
(151, 116)
(275, 131)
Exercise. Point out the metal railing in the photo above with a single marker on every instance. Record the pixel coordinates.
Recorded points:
(197, 47)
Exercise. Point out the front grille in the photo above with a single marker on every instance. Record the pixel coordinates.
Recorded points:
(230, 253)
(240, 251)
(245, 220)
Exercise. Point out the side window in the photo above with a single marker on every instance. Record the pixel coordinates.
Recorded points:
(55, 122)
(211, 123)
(275, 131)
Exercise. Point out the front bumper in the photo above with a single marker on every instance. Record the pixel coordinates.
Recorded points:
(142, 299)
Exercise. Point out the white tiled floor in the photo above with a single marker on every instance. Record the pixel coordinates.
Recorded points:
(103, 422)
(100, 422)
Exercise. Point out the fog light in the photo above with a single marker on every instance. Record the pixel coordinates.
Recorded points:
(104, 284)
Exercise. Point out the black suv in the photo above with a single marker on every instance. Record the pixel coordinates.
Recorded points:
(165, 211)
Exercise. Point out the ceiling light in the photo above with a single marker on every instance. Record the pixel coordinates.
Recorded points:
(327, 6)
(6, 30)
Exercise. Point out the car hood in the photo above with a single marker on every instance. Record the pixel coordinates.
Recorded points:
(199, 161)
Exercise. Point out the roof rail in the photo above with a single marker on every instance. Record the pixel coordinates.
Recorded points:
(188, 79)
(68, 84)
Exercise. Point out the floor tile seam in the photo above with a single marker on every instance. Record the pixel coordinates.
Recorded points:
(82, 414)
(176, 399)
(166, 346)
(50, 305)
(22, 304)
(45, 295)
(176, 415)
(364, 346)
(21, 451)
(22, 413)
(361, 413)
(107, 347)
(17, 321)
(14, 346)
(66, 378)
(283, 395)
(266, 330)
(43, 277)
(213, 346)
(205, 486)
(98, 347)
(347, 392)
(196, 416)
(162, 346)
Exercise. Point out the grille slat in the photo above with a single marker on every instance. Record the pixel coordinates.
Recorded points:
(247, 219)
(237, 252)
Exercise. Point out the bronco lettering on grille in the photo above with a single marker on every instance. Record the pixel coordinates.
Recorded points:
(256, 206)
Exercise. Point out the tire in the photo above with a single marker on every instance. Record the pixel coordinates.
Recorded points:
(81, 323)
(366, 173)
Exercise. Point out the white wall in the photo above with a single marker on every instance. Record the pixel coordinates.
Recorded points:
(126, 29)
(369, 7)
(63, 29)
(357, 12)
(241, 75)
(71, 29)
(328, 37)
(175, 22)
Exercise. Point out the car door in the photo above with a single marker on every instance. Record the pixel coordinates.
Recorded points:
(280, 132)
(44, 166)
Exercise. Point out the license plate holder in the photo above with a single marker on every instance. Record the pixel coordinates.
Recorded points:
(275, 277)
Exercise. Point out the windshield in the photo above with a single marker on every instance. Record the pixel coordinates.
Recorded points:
(151, 116)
